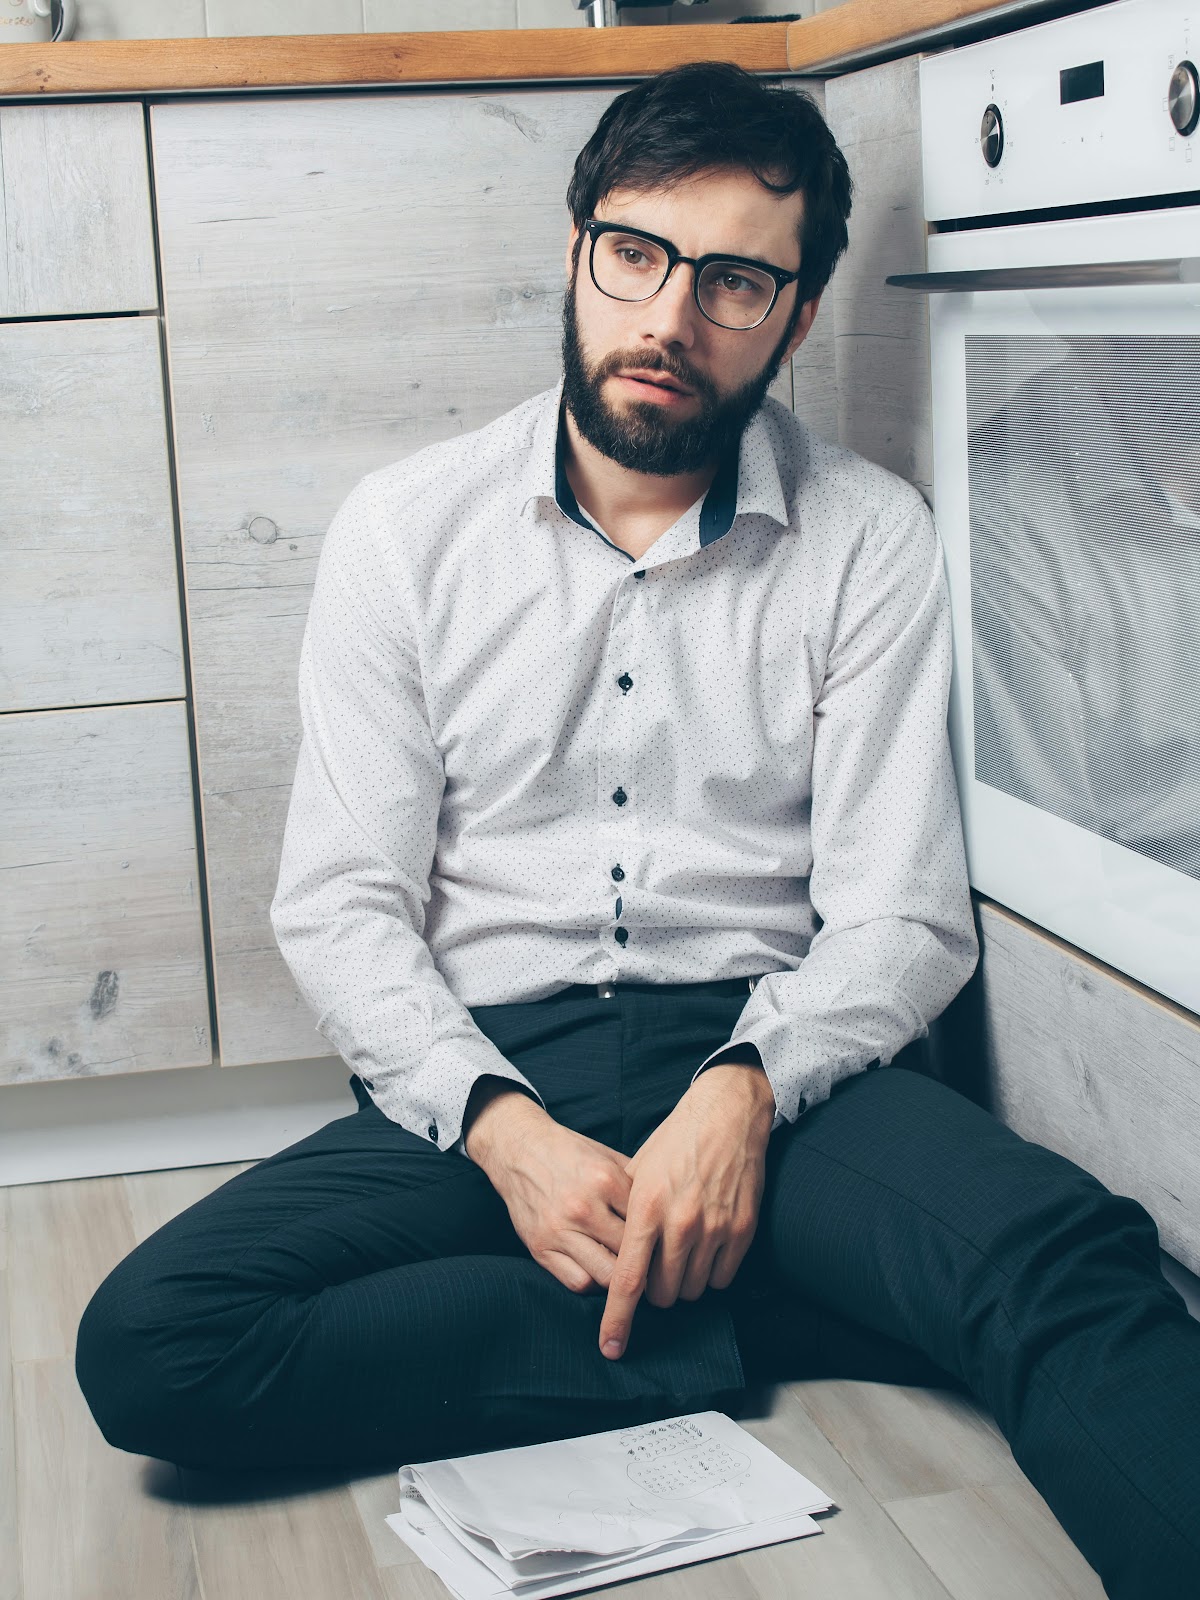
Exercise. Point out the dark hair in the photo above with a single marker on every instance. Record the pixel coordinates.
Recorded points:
(713, 114)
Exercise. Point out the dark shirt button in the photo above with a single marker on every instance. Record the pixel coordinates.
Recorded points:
(621, 935)
(367, 1084)
(639, 574)
(619, 903)
(617, 873)
(620, 797)
(432, 1131)
(626, 683)
(802, 1107)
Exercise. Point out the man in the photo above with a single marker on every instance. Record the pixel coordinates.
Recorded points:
(623, 844)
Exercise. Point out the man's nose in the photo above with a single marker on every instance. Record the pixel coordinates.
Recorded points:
(671, 315)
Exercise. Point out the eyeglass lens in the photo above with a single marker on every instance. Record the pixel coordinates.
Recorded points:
(628, 267)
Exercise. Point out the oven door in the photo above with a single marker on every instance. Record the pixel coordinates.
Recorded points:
(1067, 493)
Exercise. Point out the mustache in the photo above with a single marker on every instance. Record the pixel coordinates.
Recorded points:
(654, 361)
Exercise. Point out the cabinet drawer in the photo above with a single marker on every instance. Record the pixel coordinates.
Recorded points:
(101, 947)
(75, 225)
(89, 608)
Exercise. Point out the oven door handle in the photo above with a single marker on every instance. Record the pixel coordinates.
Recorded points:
(1085, 275)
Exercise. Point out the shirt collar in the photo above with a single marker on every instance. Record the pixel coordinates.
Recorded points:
(746, 483)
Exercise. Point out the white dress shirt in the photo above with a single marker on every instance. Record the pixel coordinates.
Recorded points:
(530, 760)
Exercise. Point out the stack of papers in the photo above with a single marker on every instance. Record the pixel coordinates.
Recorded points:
(572, 1514)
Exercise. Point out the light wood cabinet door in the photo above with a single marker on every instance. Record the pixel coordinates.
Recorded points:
(1074, 1056)
(89, 604)
(345, 279)
(75, 222)
(102, 965)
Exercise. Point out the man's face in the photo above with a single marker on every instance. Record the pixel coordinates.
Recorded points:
(653, 384)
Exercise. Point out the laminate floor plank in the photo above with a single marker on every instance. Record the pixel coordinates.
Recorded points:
(89, 1529)
(66, 1238)
(10, 1526)
(996, 1542)
(155, 1197)
(904, 1441)
(289, 1543)
(860, 1554)
(375, 1499)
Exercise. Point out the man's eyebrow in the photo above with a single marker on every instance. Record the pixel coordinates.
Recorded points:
(736, 255)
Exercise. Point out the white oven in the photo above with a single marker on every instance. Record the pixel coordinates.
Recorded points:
(1062, 177)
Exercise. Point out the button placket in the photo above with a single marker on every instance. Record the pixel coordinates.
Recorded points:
(616, 754)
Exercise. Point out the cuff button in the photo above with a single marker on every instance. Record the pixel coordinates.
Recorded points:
(802, 1107)
(432, 1131)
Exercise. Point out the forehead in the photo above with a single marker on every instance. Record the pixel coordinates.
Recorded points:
(726, 210)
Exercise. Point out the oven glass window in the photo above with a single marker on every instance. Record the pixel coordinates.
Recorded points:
(1084, 464)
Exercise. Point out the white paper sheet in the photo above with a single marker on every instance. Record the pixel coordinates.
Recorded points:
(554, 1518)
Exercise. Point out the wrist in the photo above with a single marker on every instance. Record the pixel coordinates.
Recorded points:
(746, 1083)
(495, 1110)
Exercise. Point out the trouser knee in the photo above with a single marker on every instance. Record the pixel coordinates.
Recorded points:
(130, 1361)
(1075, 1260)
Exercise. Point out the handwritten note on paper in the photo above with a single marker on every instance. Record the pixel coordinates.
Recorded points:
(676, 1459)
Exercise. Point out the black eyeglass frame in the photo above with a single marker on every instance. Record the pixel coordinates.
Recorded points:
(779, 275)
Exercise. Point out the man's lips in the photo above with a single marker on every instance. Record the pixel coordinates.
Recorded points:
(659, 380)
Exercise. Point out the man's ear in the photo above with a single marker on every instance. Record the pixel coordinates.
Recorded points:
(807, 314)
(571, 250)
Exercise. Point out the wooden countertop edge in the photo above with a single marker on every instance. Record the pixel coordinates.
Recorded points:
(478, 56)
(852, 32)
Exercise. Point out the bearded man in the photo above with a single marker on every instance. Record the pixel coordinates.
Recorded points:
(623, 858)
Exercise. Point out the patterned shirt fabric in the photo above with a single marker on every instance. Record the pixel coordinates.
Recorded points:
(530, 760)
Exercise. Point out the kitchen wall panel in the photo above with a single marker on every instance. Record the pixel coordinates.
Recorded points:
(882, 334)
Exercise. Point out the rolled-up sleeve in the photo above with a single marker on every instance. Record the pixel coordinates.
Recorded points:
(349, 907)
(889, 881)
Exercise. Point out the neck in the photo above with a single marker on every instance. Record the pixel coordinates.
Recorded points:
(617, 497)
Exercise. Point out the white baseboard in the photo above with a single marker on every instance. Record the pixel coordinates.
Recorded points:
(147, 1121)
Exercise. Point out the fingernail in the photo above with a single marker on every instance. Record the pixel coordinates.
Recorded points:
(613, 1348)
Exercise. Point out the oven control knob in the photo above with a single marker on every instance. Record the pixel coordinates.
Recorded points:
(1183, 98)
(991, 136)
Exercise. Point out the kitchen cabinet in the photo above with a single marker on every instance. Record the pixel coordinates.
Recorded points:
(89, 609)
(75, 220)
(102, 947)
(102, 961)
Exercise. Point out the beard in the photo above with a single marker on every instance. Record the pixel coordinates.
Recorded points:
(640, 437)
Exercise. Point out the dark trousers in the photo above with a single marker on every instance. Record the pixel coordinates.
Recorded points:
(361, 1298)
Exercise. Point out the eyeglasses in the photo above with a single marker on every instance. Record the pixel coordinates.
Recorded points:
(732, 291)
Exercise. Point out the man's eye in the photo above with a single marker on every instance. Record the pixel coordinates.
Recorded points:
(631, 255)
(735, 283)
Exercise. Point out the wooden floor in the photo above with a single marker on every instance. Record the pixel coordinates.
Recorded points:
(931, 1504)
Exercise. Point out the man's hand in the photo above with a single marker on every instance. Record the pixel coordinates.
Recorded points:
(692, 1209)
(566, 1194)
